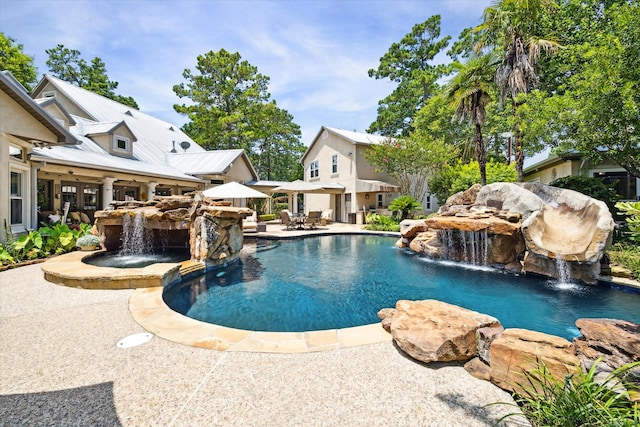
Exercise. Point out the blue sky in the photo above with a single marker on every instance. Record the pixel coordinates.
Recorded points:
(316, 53)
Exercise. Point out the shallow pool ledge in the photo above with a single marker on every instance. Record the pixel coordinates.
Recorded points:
(150, 311)
(69, 270)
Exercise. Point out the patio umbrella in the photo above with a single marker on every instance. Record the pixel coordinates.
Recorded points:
(296, 187)
(233, 190)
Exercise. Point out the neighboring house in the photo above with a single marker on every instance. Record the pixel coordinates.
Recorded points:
(336, 157)
(545, 167)
(116, 153)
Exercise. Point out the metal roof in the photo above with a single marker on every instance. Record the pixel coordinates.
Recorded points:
(203, 163)
(82, 158)
(352, 136)
(154, 137)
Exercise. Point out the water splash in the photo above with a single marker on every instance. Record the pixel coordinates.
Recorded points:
(563, 273)
(136, 239)
(471, 247)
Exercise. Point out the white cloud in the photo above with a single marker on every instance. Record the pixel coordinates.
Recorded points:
(316, 53)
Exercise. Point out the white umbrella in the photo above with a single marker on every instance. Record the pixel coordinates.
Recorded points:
(299, 186)
(296, 187)
(233, 190)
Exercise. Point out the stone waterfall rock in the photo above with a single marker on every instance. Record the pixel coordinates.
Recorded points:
(434, 331)
(517, 351)
(534, 227)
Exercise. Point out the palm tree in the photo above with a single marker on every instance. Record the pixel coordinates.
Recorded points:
(469, 92)
(511, 26)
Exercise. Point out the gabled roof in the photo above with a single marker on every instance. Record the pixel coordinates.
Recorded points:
(45, 102)
(101, 128)
(350, 136)
(154, 137)
(18, 93)
(209, 162)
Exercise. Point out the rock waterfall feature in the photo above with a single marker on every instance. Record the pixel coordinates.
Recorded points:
(527, 227)
(211, 230)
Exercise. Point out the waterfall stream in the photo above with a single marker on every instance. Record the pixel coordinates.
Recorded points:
(136, 239)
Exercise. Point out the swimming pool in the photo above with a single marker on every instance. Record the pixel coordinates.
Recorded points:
(330, 282)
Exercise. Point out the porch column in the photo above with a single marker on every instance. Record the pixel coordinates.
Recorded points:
(107, 191)
(151, 190)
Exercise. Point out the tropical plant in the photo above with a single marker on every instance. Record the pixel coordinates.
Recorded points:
(626, 255)
(59, 238)
(512, 27)
(469, 90)
(5, 256)
(28, 246)
(581, 400)
(377, 222)
(405, 205)
(632, 211)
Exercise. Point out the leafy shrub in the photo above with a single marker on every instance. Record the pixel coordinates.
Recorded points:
(632, 211)
(583, 400)
(405, 205)
(277, 207)
(88, 240)
(378, 222)
(267, 217)
(592, 187)
(626, 255)
(454, 178)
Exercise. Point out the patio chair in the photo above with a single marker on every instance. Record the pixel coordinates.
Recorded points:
(250, 223)
(327, 216)
(286, 220)
(312, 220)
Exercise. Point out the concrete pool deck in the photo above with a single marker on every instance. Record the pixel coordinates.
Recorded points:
(59, 365)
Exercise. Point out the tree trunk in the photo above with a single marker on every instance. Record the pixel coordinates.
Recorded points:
(481, 155)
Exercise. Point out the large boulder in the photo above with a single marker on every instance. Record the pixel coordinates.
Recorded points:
(616, 341)
(434, 331)
(518, 351)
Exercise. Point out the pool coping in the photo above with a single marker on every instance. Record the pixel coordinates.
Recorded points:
(150, 311)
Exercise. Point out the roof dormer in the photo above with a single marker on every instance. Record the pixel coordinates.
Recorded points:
(115, 138)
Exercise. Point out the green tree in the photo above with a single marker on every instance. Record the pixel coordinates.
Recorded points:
(408, 63)
(594, 108)
(13, 59)
(66, 64)
(231, 108)
(410, 161)
(451, 179)
(405, 205)
(469, 90)
(278, 148)
(512, 27)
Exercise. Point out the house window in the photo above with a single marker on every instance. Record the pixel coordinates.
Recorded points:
(90, 196)
(49, 94)
(163, 191)
(427, 203)
(334, 163)
(120, 143)
(314, 169)
(16, 201)
(380, 200)
(70, 194)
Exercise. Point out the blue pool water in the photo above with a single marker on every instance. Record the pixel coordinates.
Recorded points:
(342, 281)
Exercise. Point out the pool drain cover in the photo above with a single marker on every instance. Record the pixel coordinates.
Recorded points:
(134, 340)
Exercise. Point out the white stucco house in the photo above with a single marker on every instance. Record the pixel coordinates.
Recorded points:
(62, 143)
(335, 158)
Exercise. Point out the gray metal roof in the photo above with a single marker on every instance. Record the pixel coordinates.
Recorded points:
(80, 157)
(358, 137)
(154, 137)
(205, 162)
